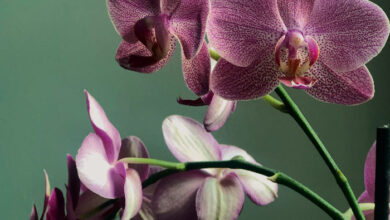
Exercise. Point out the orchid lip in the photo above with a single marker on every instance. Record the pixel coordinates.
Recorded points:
(295, 54)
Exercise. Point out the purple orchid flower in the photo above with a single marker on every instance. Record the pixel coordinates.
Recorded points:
(98, 166)
(197, 72)
(76, 204)
(210, 193)
(148, 29)
(321, 46)
(368, 196)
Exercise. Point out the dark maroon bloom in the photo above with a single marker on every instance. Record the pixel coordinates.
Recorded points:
(149, 29)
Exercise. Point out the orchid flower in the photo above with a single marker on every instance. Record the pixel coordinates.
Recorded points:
(208, 193)
(75, 205)
(98, 166)
(197, 72)
(321, 46)
(148, 29)
(368, 196)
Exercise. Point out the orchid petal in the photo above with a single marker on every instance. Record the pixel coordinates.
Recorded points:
(124, 14)
(188, 140)
(133, 194)
(56, 206)
(217, 113)
(96, 172)
(369, 171)
(188, 22)
(175, 195)
(133, 147)
(295, 13)
(228, 152)
(103, 128)
(259, 189)
(69, 205)
(242, 31)
(34, 213)
(244, 83)
(196, 71)
(89, 201)
(47, 194)
(220, 198)
(136, 57)
(73, 181)
(349, 88)
(349, 33)
(146, 211)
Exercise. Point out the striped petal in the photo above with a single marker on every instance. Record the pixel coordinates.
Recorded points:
(220, 198)
(175, 195)
(133, 147)
(188, 140)
(133, 194)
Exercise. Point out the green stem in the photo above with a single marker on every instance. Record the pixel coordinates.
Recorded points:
(275, 103)
(363, 206)
(275, 176)
(150, 161)
(312, 135)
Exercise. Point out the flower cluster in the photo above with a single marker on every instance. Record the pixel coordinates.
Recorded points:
(319, 46)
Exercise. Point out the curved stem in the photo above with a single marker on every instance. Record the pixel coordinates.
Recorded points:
(275, 176)
(278, 105)
(312, 135)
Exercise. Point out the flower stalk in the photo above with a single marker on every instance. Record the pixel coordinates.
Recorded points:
(342, 181)
(275, 176)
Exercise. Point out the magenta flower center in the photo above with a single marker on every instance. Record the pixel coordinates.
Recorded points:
(294, 55)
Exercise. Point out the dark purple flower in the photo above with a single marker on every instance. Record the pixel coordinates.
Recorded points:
(149, 29)
(321, 46)
(210, 193)
(98, 166)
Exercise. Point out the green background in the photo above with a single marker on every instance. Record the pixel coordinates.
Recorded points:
(50, 50)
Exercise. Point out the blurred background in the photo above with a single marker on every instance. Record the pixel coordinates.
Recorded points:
(50, 50)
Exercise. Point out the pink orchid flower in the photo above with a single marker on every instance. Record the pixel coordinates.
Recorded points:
(98, 166)
(75, 204)
(149, 29)
(321, 46)
(197, 72)
(368, 196)
(208, 193)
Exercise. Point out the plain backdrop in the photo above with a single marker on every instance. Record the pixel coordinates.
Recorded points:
(51, 50)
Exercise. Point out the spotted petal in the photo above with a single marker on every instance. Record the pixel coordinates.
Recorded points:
(243, 83)
(125, 13)
(220, 198)
(175, 195)
(242, 31)
(188, 22)
(133, 194)
(196, 71)
(188, 140)
(349, 88)
(95, 170)
(295, 13)
(349, 32)
(103, 128)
